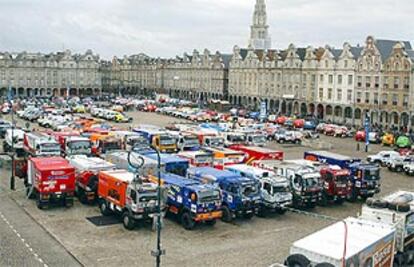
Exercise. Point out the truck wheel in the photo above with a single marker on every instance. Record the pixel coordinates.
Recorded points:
(82, 196)
(324, 200)
(211, 222)
(324, 264)
(399, 169)
(297, 260)
(39, 204)
(353, 196)
(281, 141)
(248, 216)
(103, 206)
(262, 212)
(339, 201)
(128, 221)
(227, 214)
(186, 221)
(68, 202)
(281, 211)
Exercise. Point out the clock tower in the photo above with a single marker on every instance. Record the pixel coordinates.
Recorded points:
(259, 35)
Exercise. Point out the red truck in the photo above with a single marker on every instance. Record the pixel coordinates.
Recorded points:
(87, 170)
(336, 184)
(50, 180)
(259, 153)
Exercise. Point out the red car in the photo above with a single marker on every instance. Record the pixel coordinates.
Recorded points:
(281, 120)
(299, 123)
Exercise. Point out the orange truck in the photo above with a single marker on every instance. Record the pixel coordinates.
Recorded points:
(122, 193)
(103, 143)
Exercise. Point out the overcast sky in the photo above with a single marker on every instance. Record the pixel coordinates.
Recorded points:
(170, 27)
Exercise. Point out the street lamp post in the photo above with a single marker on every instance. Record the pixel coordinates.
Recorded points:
(12, 179)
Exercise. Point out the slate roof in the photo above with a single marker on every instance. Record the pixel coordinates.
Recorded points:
(385, 47)
(226, 60)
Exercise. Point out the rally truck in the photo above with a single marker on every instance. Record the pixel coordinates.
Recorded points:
(397, 211)
(198, 158)
(86, 170)
(130, 139)
(172, 163)
(207, 137)
(276, 195)
(39, 144)
(305, 181)
(120, 159)
(191, 201)
(241, 196)
(159, 139)
(365, 177)
(353, 242)
(124, 194)
(259, 153)
(50, 180)
(104, 143)
(254, 138)
(185, 141)
(233, 138)
(13, 141)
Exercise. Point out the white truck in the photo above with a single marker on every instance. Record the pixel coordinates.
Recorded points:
(40, 144)
(382, 157)
(353, 242)
(397, 211)
(233, 138)
(120, 160)
(13, 141)
(276, 195)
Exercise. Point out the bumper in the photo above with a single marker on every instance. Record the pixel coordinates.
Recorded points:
(366, 192)
(208, 216)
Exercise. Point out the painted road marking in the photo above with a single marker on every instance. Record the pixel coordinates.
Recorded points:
(23, 241)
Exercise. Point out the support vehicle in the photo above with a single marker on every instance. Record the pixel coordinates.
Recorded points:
(397, 211)
(159, 139)
(233, 138)
(241, 196)
(120, 159)
(13, 142)
(87, 170)
(259, 153)
(50, 180)
(104, 143)
(185, 141)
(172, 163)
(305, 182)
(207, 137)
(254, 138)
(198, 158)
(276, 195)
(225, 156)
(368, 244)
(382, 156)
(123, 193)
(76, 145)
(190, 200)
(130, 139)
(336, 184)
(40, 144)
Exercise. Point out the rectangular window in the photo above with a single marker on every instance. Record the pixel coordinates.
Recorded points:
(339, 79)
(395, 100)
(350, 79)
(346, 63)
(330, 93)
(321, 78)
(349, 95)
(384, 100)
(330, 79)
(320, 93)
(367, 82)
(396, 83)
(359, 81)
(405, 101)
(313, 78)
(376, 99)
(367, 98)
(406, 83)
(377, 82)
(339, 94)
(358, 98)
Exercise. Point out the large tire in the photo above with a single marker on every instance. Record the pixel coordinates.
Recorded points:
(39, 204)
(399, 169)
(227, 214)
(400, 207)
(103, 207)
(186, 221)
(281, 211)
(297, 260)
(262, 212)
(128, 221)
(211, 222)
(324, 264)
(68, 202)
(324, 200)
(340, 201)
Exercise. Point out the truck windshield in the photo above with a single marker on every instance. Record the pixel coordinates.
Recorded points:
(237, 138)
(79, 146)
(310, 182)
(216, 141)
(132, 141)
(372, 174)
(166, 140)
(281, 189)
(191, 141)
(50, 147)
(204, 158)
(342, 179)
(107, 146)
(208, 196)
(259, 139)
(148, 198)
(249, 190)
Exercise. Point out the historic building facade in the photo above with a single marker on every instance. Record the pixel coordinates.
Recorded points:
(56, 74)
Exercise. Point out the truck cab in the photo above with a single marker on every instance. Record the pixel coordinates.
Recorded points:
(233, 138)
(305, 181)
(123, 193)
(255, 139)
(159, 139)
(397, 211)
(241, 195)
(13, 141)
(198, 158)
(212, 141)
(103, 143)
(76, 145)
(190, 200)
(186, 141)
(336, 184)
(276, 195)
(40, 144)
(130, 139)
(365, 178)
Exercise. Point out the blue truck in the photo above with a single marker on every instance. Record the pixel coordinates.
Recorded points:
(191, 201)
(365, 177)
(241, 196)
(170, 163)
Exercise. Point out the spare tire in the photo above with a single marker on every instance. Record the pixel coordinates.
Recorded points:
(400, 207)
(376, 203)
(324, 264)
(297, 260)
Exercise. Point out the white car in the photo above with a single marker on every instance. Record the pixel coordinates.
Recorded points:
(382, 157)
